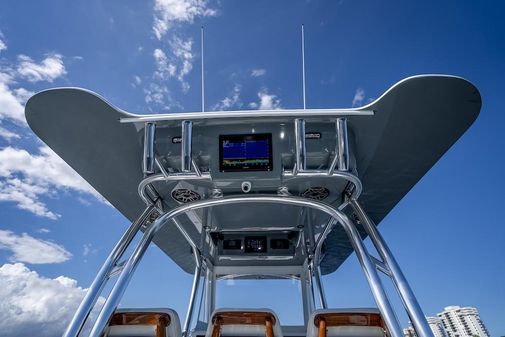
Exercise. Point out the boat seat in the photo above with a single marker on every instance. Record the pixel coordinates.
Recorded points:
(359, 322)
(152, 322)
(244, 322)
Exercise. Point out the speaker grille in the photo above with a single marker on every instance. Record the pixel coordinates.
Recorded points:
(316, 193)
(184, 195)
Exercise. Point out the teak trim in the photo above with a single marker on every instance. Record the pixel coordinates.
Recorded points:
(322, 321)
(244, 318)
(158, 319)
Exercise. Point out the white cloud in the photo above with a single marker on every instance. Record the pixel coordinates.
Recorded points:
(164, 70)
(258, 72)
(232, 101)
(169, 12)
(3, 45)
(10, 105)
(359, 96)
(268, 101)
(25, 178)
(158, 94)
(137, 81)
(25, 248)
(178, 65)
(43, 230)
(176, 61)
(22, 95)
(33, 305)
(48, 69)
(26, 196)
(88, 249)
(8, 135)
(182, 50)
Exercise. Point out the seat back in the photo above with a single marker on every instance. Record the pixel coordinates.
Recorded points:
(244, 322)
(152, 322)
(366, 322)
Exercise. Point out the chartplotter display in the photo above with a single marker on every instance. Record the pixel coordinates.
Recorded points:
(251, 152)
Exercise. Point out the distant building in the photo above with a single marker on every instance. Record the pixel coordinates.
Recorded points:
(409, 332)
(462, 322)
(437, 326)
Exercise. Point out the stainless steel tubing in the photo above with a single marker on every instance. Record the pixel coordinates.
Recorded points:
(410, 303)
(149, 134)
(342, 145)
(82, 313)
(194, 289)
(300, 152)
(186, 153)
(341, 159)
(364, 259)
(319, 286)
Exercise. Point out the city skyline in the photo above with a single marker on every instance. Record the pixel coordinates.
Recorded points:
(454, 321)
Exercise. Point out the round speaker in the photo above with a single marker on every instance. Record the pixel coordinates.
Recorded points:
(316, 193)
(184, 195)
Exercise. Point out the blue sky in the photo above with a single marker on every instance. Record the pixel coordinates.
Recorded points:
(144, 57)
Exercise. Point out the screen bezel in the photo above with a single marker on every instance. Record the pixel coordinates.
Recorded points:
(256, 136)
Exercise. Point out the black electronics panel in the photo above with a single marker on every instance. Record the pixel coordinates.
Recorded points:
(251, 152)
(280, 243)
(255, 244)
(232, 244)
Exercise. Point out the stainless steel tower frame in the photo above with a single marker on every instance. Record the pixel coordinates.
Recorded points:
(338, 169)
(368, 264)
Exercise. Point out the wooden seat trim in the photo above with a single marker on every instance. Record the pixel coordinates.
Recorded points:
(243, 318)
(324, 320)
(159, 319)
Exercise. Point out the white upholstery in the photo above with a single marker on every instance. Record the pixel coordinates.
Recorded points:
(173, 329)
(131, 331)
(239, 330)
(345, 331)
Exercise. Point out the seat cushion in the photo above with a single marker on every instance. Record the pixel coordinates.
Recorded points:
(242, 322)
(348, 322)
(144, 322)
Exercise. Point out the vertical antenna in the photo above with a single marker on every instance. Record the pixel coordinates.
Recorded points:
(303, 68)
(203, 78)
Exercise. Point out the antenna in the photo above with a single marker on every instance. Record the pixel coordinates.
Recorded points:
(303, 68)
(203, 75)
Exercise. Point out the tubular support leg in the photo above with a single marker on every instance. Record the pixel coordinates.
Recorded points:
(311, 288)
(410, 303)
(319, 286)
(194, 290)
(364, 259)
(101, 278)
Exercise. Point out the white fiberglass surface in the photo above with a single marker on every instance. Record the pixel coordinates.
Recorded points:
(283, 296)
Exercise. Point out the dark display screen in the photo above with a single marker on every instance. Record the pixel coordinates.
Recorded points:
(235, 244)
(255, 244)
(245, 152)
(279, 244)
